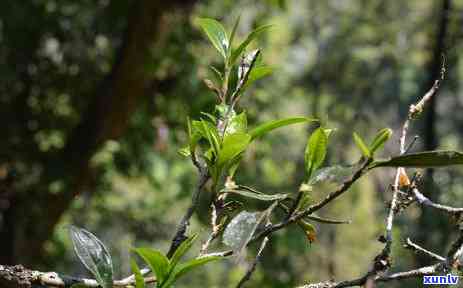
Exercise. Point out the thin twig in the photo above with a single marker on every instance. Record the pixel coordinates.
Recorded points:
(423, 200)
(252, 268)
(415, 247)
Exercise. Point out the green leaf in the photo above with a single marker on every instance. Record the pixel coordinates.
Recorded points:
(315, 150)
(139, 280)
(232, 146)
(258, 73)
(93, 254)
(184, 151)
(361, 145)
(210, 132)
(181, 250)
(238, 124)
(436, 158)
(381, 137)
(271, 125)
(157, 261)
(216, 34)
(236, 53)
(232, 35)
(184, 268)
(251, 193)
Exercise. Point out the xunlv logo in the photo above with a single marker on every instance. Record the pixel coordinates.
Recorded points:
(445, 280)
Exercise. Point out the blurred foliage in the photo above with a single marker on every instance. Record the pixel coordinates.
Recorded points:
(355, 64)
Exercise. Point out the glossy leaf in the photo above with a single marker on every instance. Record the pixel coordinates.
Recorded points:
(238, 123)
(181, 250)
(265, 128)
(253, 35)
(139, 280)
(437, 158)
(157, 261)
(93, 254)
(216, 34)
(184, 268)
(361, 145)
(381, 137)
(315, 150)
(232, 146)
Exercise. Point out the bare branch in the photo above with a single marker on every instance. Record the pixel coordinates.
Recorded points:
(415, 247)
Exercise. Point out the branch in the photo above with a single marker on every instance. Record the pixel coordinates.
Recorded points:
(412, 246)
(185, 222)
(252, 268)
(18, 276)
(423, 200)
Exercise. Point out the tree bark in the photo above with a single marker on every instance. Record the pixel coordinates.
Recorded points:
(31, 219)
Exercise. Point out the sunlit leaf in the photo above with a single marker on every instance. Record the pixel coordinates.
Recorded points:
(93, 254)
(216, 34)
(361, 145)
(238, 123)
(237, 53)
(381, 137)
(266, 127)
(315, 151)
(437, 158)
(157, 261)
(232, 146)
(139, 280)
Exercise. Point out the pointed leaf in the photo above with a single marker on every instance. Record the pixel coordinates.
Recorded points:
(361, 145)
(216, 34)
(380, 138)
(436, 158)
(184, 268)
(139, 280)
(250, 193)
(157, 261)
(93, 254)
(315, 151)
(271, 125)
(181, 250)
(236, 53)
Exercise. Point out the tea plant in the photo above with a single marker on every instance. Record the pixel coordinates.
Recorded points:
(216, 145)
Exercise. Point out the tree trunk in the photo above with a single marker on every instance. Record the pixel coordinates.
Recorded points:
(31, 219)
